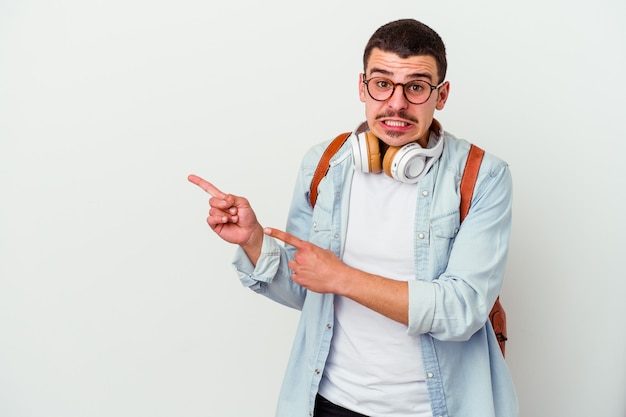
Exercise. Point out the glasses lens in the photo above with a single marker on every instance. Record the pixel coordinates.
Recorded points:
(380, 88)
(416, 92)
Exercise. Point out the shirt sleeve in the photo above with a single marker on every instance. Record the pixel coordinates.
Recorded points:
(266, 267)
(456, 304)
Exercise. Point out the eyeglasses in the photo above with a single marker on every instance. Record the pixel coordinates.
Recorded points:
(415, 92)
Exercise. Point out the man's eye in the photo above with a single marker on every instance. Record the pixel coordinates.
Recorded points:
(383, 84)
(416, 87)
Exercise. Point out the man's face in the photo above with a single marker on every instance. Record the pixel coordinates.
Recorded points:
(396, 121)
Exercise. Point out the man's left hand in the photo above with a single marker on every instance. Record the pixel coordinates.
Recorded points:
(312, 267)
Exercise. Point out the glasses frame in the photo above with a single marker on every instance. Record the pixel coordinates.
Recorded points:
(393, 90)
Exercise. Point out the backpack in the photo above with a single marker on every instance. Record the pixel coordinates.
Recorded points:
(497, 315)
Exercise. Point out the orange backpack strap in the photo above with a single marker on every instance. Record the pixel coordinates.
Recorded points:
(324, 164)
(468, 181)
(497, 315)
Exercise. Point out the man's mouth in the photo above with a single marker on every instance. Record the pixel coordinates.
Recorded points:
(395, 123)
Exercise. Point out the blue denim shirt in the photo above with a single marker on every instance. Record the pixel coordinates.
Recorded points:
(459, 273)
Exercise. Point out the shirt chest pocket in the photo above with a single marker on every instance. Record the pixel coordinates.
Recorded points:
(321, 228)
(443, 232)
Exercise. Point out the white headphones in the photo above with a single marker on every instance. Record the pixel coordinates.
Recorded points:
(408, 163)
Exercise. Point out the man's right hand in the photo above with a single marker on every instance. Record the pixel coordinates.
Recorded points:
(232, 218)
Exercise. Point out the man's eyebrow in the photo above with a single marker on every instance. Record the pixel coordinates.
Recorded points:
(381, 71)
(387, 73)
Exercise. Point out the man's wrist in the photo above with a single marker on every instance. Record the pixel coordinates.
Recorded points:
(254, 245)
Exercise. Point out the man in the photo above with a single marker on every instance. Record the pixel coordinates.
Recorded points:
(394, 291)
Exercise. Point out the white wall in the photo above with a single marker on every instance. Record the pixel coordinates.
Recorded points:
(117, 300)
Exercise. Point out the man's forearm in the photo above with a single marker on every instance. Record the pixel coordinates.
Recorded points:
(383, 295)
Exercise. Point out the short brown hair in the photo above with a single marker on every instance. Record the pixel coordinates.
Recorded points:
(406, 38)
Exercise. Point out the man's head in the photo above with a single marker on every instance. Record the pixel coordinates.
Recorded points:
(409, 53)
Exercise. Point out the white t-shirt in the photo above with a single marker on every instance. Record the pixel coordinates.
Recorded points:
(374, 367)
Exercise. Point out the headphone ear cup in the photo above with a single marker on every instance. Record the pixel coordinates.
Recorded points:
(406, 163)
(366, 152)
(373, 153)
(388, 159)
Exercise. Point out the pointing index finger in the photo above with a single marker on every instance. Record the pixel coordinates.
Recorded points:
(284, 236)
(206, 186)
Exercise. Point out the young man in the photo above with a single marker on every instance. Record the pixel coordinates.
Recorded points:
(394, 291)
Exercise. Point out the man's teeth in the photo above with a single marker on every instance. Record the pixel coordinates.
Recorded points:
(395, 123)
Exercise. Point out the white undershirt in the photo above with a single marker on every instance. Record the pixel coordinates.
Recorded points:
(374, 367)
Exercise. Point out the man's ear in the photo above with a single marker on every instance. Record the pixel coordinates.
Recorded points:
(362, 91)
(442, 96)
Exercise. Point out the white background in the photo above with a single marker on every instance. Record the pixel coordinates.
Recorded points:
(116, 299)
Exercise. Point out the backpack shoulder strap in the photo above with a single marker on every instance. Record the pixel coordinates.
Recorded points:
(324, 164)
(468, 181)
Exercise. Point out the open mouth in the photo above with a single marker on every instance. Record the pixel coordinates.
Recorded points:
(395, 123)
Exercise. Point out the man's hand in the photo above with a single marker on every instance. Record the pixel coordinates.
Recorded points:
(232, 218)
(312, 267)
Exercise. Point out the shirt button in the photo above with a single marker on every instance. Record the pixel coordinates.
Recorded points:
(425, 193)
(314, 225)
(317, 372)
(328, 326)
(421, 235)
(430, 375)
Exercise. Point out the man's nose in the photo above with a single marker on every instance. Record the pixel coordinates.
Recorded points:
(398, 99)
